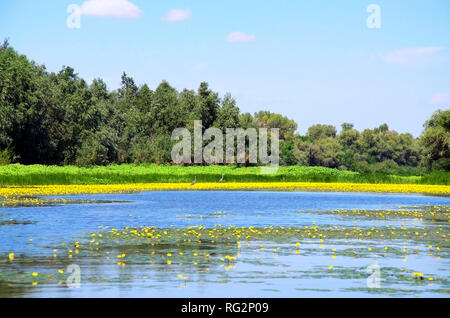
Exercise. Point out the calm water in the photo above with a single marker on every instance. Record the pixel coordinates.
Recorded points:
(258, 273)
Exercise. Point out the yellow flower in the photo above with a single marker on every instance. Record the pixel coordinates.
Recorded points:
(11, 256)
(35, 274)
(120, 188)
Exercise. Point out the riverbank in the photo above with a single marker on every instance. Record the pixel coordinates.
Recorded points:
(21, 175)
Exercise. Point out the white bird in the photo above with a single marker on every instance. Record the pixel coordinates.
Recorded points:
(194, 182)
(221, 179)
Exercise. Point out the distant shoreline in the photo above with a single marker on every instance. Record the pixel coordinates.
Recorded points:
(22, 175)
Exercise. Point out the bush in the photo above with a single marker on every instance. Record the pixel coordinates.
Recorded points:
(6, 157)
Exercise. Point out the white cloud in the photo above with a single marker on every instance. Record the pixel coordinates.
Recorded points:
(177, 15)
(439, 99)
(235, 37)
(110, 8)
(412, 55)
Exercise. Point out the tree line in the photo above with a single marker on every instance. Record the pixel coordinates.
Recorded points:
(58, 118)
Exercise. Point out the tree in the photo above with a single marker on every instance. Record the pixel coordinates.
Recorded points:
(348, 137)
(99, 148)
(207, 105)
(246, 121)
(321, 131)
(128, 88)
(164, 109)
(326, 152)
(347, 126)
(228, 113)
(23, 96)
(436, 139)
(287, 156)
(187, 107)
(266, 119)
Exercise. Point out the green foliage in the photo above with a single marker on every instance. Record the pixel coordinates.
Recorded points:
(98, 149)
(16, 174)
(436, 141)
(266, 119)
(321, 131)
(287, 154)
(6, 157)
(373, 150)
(228, 114)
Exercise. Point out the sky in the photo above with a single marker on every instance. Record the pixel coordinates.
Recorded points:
(318, 61)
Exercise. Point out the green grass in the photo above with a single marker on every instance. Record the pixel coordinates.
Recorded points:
(16, 174)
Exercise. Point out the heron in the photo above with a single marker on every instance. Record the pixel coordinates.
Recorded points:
(221, 179)
(194, 182)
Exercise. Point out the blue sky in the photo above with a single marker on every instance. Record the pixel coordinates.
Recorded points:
(313, 61)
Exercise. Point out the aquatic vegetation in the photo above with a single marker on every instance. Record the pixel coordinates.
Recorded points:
(182, 252)
(14, 193)
(33, 195)
(17, 174)
(432, 213)
(212, 215)
(233, 234)
(17, 200)
(15, 222)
